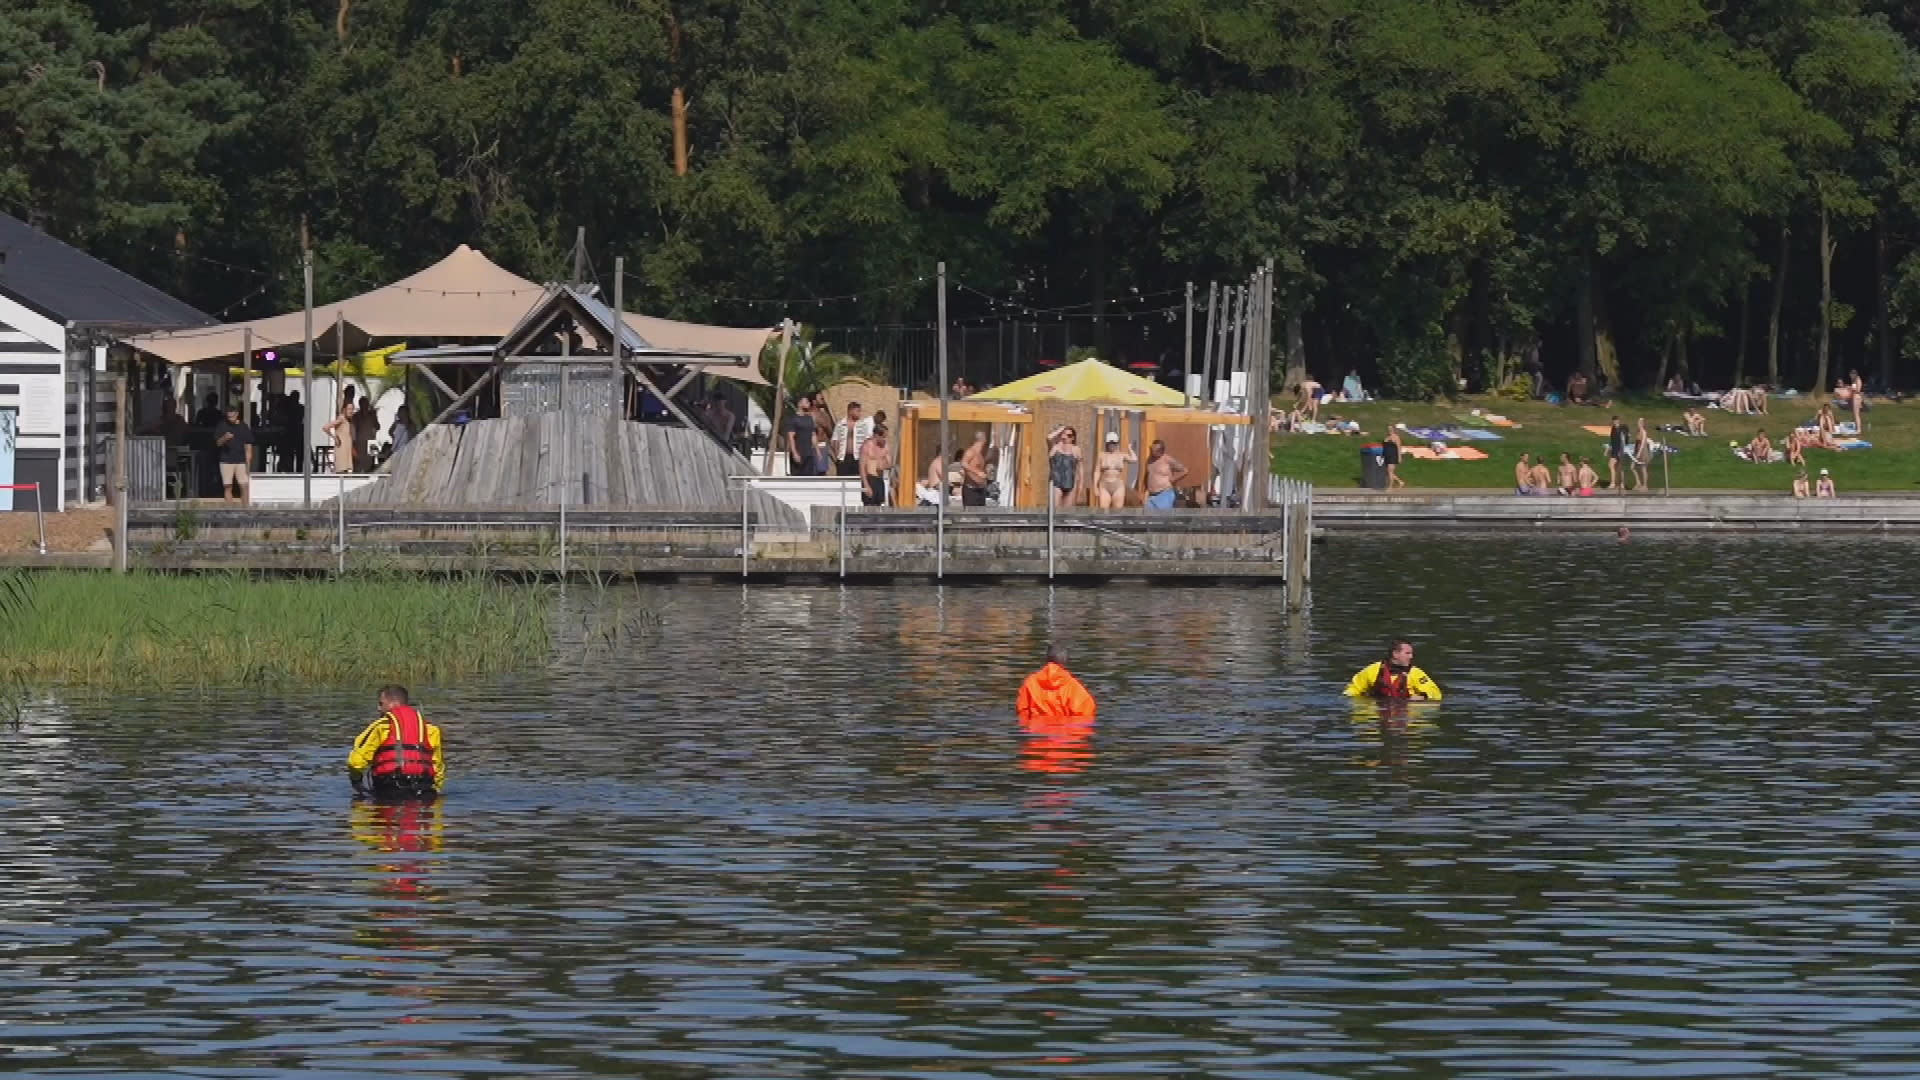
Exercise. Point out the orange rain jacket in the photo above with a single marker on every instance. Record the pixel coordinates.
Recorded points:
(1051, 691)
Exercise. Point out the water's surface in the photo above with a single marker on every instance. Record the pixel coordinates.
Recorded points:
(1662, 826)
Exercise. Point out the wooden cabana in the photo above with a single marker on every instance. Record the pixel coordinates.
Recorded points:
(1020, 433)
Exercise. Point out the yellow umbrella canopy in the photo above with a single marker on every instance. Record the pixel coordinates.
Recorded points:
(1088, 381)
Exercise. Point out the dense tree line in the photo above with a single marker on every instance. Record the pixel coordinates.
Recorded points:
(1634, 187)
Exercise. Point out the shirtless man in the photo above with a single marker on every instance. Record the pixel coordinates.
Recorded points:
(1569, 482)
(1589, 479)
(875, 462)
(1760, 450)
(1542, 478)
(973, 464)
(1110, 469)
(936, 476)
(1164, 473)
(1523, 475)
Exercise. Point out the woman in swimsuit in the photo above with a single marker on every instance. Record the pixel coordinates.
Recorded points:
(1110, 487)
(1642, 453)
(1063, 465)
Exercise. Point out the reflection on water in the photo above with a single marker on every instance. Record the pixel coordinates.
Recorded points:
(1660, 826)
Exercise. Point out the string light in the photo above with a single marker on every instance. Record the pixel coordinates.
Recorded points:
(877, 291)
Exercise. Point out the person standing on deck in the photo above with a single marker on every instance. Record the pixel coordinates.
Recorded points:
(1164, 473)
(875, 462)
(400, 753)
(849, 435)
(235, 440)
(1394, 677)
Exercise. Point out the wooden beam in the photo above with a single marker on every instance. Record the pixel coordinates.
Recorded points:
(640, 377)
(435, 380)
(471, 393)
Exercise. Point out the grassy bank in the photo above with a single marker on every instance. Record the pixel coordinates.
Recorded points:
(94, 629)
(1701, 464)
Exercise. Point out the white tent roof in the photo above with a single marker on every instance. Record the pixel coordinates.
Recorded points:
(465, 295)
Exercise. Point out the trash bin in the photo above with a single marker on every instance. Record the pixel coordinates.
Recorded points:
(1373, 467)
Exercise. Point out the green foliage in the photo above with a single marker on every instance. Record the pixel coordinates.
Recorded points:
(1432, 179)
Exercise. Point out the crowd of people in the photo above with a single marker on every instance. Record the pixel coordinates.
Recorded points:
(271, 436)
(856, 444)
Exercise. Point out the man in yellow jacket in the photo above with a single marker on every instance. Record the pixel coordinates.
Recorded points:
(1394, 677)
(400, 752)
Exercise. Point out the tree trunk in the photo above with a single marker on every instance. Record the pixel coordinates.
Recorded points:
(1296, 353)
(1586, 331)
(1779, 301)
(1882, 315)
(1827, 246)
(1666, 356)
(1740, 352)
(1605, 355)
(1681, 366)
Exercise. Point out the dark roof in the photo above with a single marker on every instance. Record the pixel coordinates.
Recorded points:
(70, 286)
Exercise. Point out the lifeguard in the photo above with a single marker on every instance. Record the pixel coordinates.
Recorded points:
(400, 750)
(1394, 677)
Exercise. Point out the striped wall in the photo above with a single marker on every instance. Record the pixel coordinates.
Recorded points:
(33, 378)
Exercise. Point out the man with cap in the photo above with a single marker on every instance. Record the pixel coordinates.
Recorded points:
(1110, 474)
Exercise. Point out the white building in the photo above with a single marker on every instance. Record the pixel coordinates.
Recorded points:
(59, 309)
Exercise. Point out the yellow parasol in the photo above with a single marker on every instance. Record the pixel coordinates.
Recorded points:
(1088, 381)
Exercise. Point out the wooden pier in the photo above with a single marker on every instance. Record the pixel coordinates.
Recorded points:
(605, 543)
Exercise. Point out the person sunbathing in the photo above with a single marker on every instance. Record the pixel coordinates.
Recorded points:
(1800, 488)
(1796, 439)
(1696, 422)
(1760, 450)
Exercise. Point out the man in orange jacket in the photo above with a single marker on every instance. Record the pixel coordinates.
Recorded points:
(1052, 691)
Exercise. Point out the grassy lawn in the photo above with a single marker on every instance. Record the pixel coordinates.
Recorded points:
(1333, 461)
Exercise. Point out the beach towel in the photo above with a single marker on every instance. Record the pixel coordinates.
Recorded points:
(1451, 453)
(1449, 434)
(1777, 457)
(1601, 430)
(1852, 444)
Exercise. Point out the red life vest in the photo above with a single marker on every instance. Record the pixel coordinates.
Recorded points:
(406, 752)
(1384, 685)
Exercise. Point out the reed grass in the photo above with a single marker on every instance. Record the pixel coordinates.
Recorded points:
(148, 629)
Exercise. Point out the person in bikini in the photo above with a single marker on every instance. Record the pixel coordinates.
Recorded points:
(1110, 485)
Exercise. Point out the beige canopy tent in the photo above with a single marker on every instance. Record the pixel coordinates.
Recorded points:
(466, 296)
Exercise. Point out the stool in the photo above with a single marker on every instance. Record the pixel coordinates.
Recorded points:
(323, 458)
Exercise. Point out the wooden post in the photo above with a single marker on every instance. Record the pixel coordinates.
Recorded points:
(1297, 539)
(779, 394)
(246, 374)
(1186, 377)
(120, 460)
(1259, 395)
(1206, 359)
(306, 383)
(339, 380)
(946, 446)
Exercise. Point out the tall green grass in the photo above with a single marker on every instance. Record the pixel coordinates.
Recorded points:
(143, 629)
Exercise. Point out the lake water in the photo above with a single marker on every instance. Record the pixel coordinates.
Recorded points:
(1662, 826)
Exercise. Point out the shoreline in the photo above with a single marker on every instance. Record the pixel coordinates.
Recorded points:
(1697, 512)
